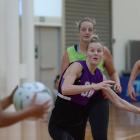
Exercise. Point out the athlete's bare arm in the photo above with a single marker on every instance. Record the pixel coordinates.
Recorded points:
(109, 66)
(134, 73)
(65, 62)
(119, 102)
(72, 73)
(9, 118)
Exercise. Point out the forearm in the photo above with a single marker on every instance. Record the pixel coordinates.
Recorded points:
(65, 62)
(133, 75)
(117, 101)
(75, 89)
(115, 77)
(129, 107)
(7, 119)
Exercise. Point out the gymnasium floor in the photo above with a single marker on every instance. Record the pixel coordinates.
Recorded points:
(123, 125)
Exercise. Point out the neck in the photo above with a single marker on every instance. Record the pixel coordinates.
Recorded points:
(83, 47)
(91, 67)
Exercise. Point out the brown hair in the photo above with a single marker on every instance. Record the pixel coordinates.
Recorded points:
(93, 21)
(94, 38)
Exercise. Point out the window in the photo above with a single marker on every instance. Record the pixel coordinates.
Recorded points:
(49, 8)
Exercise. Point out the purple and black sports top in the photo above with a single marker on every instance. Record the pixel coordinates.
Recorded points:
(86, 78)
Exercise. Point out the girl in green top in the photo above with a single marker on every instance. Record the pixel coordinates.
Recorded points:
(99, 114)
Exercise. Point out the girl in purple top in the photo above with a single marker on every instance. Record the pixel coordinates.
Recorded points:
(81, 81)
(82, 98)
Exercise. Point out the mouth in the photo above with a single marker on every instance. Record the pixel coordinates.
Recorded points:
(86, 37)
(95, 59)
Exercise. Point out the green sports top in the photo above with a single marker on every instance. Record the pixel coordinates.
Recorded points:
(74, 55)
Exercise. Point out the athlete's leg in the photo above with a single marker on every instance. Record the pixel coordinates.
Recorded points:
(58, 133)
(98, 118)
(68, 120)
(69, 133)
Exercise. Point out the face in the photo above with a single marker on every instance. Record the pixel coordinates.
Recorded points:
(94, 53)
(86, 30)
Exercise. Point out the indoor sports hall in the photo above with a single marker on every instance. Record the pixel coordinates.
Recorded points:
(34, 35)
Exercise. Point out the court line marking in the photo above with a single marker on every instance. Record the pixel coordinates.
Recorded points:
(129, 137)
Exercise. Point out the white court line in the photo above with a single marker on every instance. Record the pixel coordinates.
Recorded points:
(129, 137)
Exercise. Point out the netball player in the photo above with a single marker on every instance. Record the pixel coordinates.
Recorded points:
(99, 113)
(81, 81)
(8, 118)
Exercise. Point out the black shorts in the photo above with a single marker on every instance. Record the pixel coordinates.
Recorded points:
(68, 120)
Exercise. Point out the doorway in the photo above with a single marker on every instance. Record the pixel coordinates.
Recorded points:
(47, 54)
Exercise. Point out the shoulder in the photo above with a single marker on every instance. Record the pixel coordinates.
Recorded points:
(106, 51)
(137, 64)
(107, 54)
(70, 49)
(77, 64)
(74, 68)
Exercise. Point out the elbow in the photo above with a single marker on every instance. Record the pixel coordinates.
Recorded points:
(65, 90)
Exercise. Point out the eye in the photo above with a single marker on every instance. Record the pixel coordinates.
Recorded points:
(90, 30)
(83, 29)
(92, 50)
(99, 50)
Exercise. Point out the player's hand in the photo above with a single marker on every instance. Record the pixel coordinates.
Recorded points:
(103, 85)
(131, 92)
(39, 110)
(117, 88)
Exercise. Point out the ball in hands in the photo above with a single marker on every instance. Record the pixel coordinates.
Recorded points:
(23, 96)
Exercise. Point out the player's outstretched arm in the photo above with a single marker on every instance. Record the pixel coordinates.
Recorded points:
(134, 73)
(36, 111)
(110, 68)
(119, 102)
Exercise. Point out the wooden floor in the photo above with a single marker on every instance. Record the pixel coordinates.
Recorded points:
(123, 125)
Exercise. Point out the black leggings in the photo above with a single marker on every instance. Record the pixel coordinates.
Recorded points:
(58, 133)
(68, 120)
(99, 118)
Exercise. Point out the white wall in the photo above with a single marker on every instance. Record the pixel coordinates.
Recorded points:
(126, 26)
(2, 49)
(9, 43)
(27, 41)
